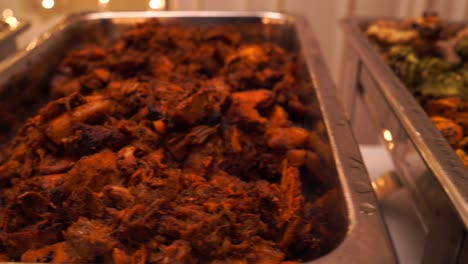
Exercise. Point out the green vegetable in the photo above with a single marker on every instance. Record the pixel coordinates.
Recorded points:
(431, 67)
(405, 63)
(448, 84)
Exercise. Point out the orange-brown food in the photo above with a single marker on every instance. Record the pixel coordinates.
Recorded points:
(171, 145)
(450, 116)
(423, 51)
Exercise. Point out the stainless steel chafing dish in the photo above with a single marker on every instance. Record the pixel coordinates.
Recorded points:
(365, 236)
(425, 162)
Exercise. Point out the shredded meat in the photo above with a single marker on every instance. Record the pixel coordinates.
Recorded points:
(171, 145)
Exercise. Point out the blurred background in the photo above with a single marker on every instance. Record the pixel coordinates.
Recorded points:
(323, 17)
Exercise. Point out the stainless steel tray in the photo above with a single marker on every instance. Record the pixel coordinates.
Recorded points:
(8, 34)
(425, 162)
(365, 236)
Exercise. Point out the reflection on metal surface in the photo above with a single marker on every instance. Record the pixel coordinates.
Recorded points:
(386, 184)
(157, 4)
(31, 45)
(273, 20)
(10, 28)
(12, 21)
(367, 208)
(387, 135)
(104, 1)
(48, 4)
(427, 164)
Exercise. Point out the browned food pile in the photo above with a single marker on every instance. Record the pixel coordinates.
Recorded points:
(430, 56)
(450, 116)
(172, 145)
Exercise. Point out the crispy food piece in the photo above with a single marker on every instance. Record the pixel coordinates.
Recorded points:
(286, 138)
(118, 197)
(252, 53)
(266, 253)
(421, 32)
(279, 117)
(428, 26)
(449, 129)
(62, 126)
(245, 105)
(174, 144)
(64, 86)
(54, 165)
(49, 182)
(177, 252)
(462, 120)
(429, 56)
(293, 204)
(389, 33)
(89, 239)
(463, 156)
(94, 171)
(56, 253)
(9, 169)
(446, 107)
(206, 103)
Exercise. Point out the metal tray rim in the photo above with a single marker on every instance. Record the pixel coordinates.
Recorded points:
(13, 32)
(366, 233)
(436, 152)
(351, 170)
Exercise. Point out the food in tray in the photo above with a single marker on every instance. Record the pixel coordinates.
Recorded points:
(431, 58)
(171, 145)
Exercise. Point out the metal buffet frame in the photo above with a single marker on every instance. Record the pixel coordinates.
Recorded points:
(8, 36)
(425, 162)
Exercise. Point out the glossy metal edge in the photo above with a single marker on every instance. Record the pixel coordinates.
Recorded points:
(8, 65)
(367, 239)
(8, 42)
(10, 33)
(432, 146)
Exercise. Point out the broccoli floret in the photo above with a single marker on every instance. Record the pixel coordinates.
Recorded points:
(448, 84)
(405, 63)
(461, 49)
(431, 67)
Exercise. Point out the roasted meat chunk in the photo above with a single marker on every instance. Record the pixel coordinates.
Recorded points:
(173, 144)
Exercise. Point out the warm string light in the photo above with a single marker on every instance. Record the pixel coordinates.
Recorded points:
(12, 21)
(9, 18)
(7, 13)
(103, 4)
(157, 4)
(48, 4)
